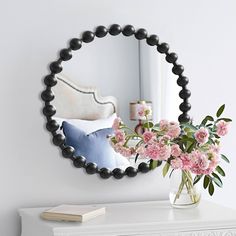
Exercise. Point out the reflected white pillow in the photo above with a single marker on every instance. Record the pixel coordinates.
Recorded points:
(89, 126)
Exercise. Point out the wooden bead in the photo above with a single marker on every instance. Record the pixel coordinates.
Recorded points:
(88, 36)
(115, 29)
(131, 171)
(101, 31)
(128, 30)
(91, 168)
(152, 40)
(141, 34)
(118, 173)
(75, 44)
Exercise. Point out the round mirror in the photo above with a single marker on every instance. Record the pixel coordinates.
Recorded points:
(106, 79)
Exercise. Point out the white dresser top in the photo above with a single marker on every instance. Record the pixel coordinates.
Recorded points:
(139, 218)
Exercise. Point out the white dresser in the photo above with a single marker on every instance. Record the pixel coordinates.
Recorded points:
(139, 218)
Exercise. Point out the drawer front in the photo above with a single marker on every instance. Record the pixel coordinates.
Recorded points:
(223, 232)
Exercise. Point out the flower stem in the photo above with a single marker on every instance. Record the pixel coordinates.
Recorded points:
(187, 181)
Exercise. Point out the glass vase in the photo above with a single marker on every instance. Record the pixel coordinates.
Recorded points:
(183, 193)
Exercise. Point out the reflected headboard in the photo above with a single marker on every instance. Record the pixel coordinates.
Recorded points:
(73, 101)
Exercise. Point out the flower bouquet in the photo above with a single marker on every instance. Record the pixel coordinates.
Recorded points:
(192, 150)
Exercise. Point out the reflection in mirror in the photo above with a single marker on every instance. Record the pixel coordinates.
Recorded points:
(101, 82)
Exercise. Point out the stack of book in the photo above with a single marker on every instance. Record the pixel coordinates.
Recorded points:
(78, 213)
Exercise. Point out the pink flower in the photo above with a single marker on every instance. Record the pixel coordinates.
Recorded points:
(164, 125)
(120, 137)
(202, 135)
(141, 150)
(127, 152)
(175, 150)
(222, 128)
(200, 162)
(173, 129)
(158, 151)
(186, 160)
(165, 152)
(165, 139)
(203, 162)
(152, 151)
(176, 163)
(215, 148)
(116, 123)
(148, 136)
(214, 161)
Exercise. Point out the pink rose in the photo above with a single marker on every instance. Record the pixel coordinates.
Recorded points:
(165, 139)
(116, 123)
(141, 150)
(152, 151)
(164, 125)
(158, 151)
(175, 150)
(176, 163)
(214, 161)
(215, 148)
(222, 128)
(165, 152)
(148, 136)
(200, 162)
(120, 137)
(186, 160)
(202, 135)
(173, 130)
(126, 152)
(203, 162)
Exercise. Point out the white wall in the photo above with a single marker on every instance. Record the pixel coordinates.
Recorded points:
(31, 170)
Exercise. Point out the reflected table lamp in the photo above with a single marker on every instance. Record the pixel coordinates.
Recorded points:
(135, 116)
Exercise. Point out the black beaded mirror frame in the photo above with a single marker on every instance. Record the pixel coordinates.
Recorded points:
(66, 54)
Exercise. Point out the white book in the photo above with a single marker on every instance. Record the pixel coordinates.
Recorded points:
(73, 213)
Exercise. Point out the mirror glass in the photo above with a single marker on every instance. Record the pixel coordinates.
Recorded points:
(112, 72)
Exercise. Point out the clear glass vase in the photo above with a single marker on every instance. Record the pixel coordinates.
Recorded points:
(183, 193)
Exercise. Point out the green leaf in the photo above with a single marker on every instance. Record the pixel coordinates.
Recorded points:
(197, 178)
(217, 180)
(148, 125)
(225, 119)
(220, 170)
(165, 169)
(171, 173)
(190, 148)
(136, 157)
(211, 141)
(220, 110)
(207, 118)
(154, 164)
(225, 158)
(211, 188)
(186, 138)
(206, 181)
(216, 136)
(209, 125)
(188, 125)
